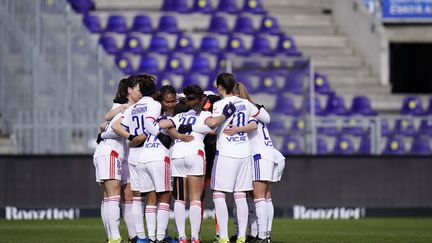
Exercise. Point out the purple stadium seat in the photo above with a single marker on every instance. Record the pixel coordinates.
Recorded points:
(116, 23)
(202, 6)
(421, 146)
(365, 145)
(175, 65)
(184, 44)
(412, 106)
(270, 25)
(210, 44)
(353, 127)
(361, 106)
(276, 126)
(82, 6)
(109, 44)
(322, 84)
(285, 105)
(218, 24)
(298, 126)
(307, 106)
(426, 127)
(328, 128)
(235, 45)
(200, 64)
(336, 106)
(291, 145)
(149, 64)
(385, 129)
(181, 6)
(261, 45)
(253, 6)
(92, 23)
(287, 46)
(249, 79)
(394, 146)
(429, 109)
(294, 82)
(142, 23)
(196, 79)
(243, 24)
(404, 127)
(321, 146)
(164, 79)
(168, 24)
(168, 5)
(228, 6)
(268, 84)
(343, 146)
(133, 44)
(211, 84)
(124, 64)
(159, 44)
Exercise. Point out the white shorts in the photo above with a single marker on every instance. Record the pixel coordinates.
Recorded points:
(125, 174)
(108, 167)
(155, 176)
(192, 165)
(232, 174)
(262, 168)
(278, 170)
(134, 178)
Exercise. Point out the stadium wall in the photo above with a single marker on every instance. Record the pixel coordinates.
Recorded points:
(312, 187)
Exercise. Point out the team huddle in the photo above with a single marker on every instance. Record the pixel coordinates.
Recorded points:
(159, 145)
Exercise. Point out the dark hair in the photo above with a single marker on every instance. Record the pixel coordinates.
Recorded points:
(147, 84)
(192, 92)
(226, 81)
(180, 108)
(122, 89)
(164, 90)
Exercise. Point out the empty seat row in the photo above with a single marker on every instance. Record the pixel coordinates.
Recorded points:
(209, 44)
(412, 105)
(206, 7)
(292, 145)
(168, 23)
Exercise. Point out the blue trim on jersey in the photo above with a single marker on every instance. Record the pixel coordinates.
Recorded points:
(257, 158)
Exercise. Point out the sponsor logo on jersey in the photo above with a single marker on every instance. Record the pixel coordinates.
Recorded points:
(152, 145)
(301, 212)
(268, 143)
(240, 107)
(236, 138)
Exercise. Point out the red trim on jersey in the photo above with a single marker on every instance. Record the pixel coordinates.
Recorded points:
(167, 160)
(167, 173)
(207, 118)
(256, 114)
(151, 118)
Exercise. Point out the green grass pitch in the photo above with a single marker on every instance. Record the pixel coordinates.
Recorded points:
(284, 230)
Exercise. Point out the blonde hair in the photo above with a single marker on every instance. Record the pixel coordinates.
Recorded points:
(241, 91)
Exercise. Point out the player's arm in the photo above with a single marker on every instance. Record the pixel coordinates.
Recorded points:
(176, 135)
(232, 130)
(261, 114)
(113, 112)
(227, 111)
(120, 129)
(152, 126)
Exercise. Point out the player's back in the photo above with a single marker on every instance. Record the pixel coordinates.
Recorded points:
(236, 146)
(107, 145)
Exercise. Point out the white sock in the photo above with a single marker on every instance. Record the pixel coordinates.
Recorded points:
(150, 215)
(114, 216)
(162, 220)
(180, 217)
(270, 215)
(253, 223)
(195, 218)
(104, 217)
(138, 216)
(128, 218)
(242, 212)
(261, 212)
(221, 213)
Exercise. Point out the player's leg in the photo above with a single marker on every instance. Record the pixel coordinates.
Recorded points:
(127, 201)
(196, 171)
(243, 184)
(270, 211)
(112, 188)
(137, 203)
(179, 194)
(223, 180)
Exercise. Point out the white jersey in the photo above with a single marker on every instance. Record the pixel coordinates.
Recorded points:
(260, 142)
(182, 149)
(134, 119)
(107, 145)
(235, 146)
